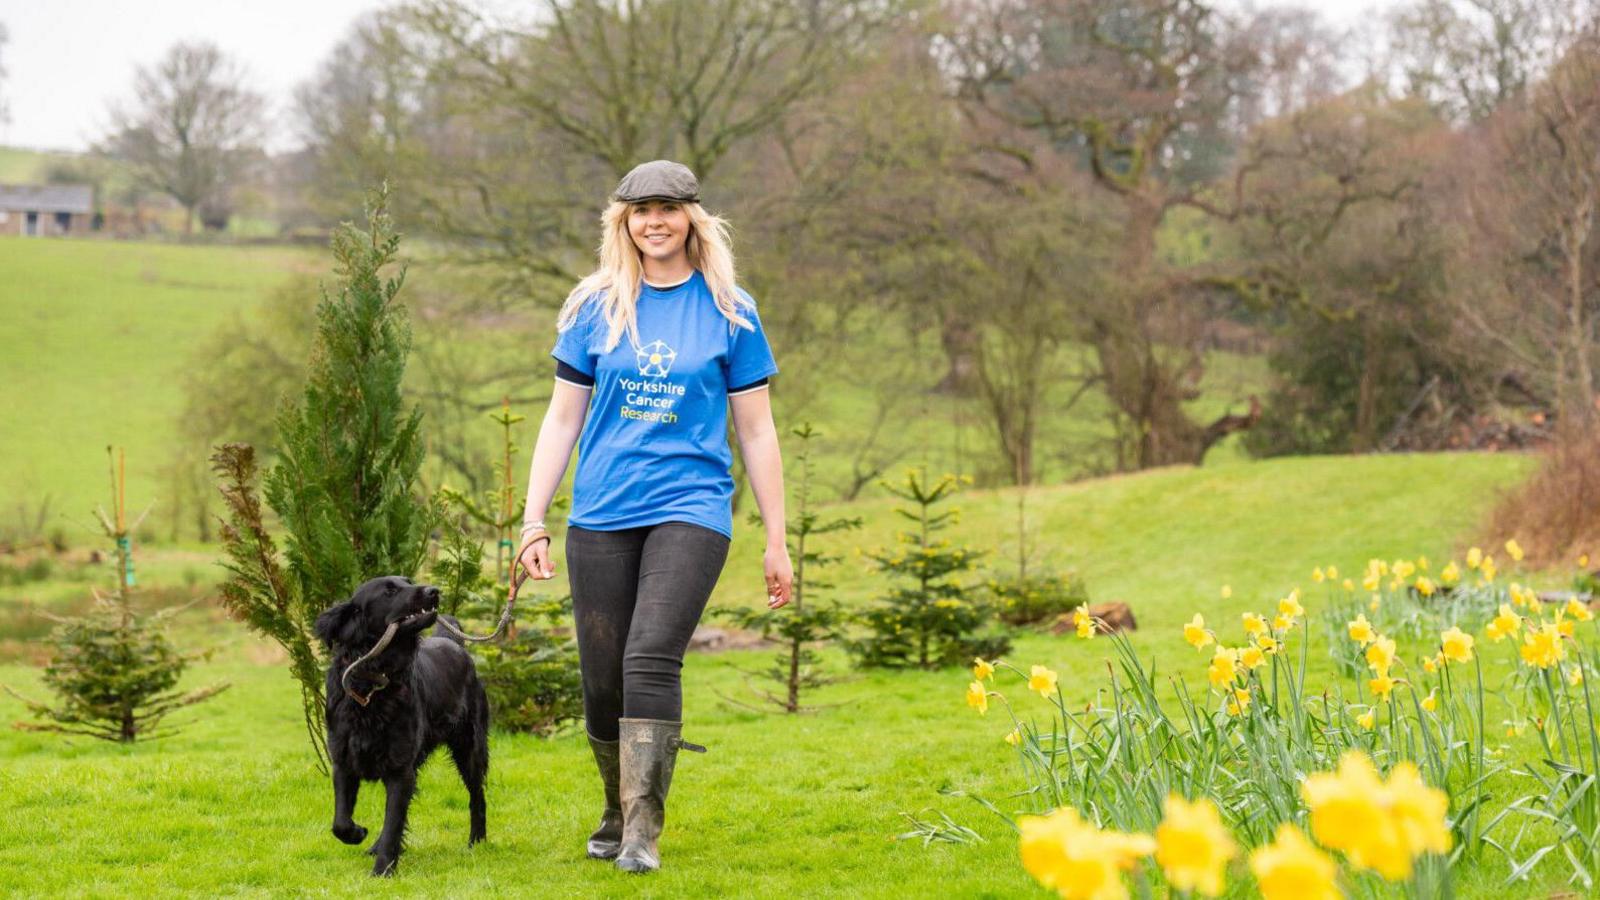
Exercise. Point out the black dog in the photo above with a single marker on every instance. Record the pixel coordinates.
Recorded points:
(399, 706)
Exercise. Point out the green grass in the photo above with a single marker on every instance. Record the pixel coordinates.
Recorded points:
(18, 166)
(97, 334)
(801, 806)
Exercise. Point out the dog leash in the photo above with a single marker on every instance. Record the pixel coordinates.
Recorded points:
(519, 575)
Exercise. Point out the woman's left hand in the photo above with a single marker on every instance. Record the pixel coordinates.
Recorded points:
(780, 576)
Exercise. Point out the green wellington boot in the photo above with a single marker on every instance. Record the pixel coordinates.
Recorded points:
(649, 753)
(607, 839)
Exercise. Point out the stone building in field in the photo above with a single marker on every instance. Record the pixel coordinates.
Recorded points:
(46, 210)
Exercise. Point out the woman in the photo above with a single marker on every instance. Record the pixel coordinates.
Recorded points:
(651, 516)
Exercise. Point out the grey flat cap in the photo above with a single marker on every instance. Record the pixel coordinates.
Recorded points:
(660, 179)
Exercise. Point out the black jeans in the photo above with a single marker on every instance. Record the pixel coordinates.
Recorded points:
(637, 595)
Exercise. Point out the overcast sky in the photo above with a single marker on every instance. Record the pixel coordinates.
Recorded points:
(67, 58)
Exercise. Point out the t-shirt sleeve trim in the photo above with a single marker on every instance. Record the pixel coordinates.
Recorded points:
(571, 375)
(752, 386)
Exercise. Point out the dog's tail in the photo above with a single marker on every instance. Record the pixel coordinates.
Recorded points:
(440, 631)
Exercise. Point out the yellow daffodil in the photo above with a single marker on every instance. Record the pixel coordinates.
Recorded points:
(1450, 574)
(1361, 630)
(1281, 622)
(1367, 719)
(1254, 624)
(1456, 645)
(1193, 846)
(1566, 627)
(1077, 860)
(1474, 558)
(1380, 655)
(1418, 810)
(1042, 680)
(1377, 601)
(1195, 632)
(1514, 550)
(977, 697)
(1430, 664)
(1292, 868)
(1487, 569)
(1422, 564)
(1377, 825)
(1333, 572)
(1238, 702)
(1349, 585)
(1503, 625)
(1251, 657)
(1014, 737)
(1290, 605)
(1583, 561)
(1575, 676)
(1224, 667)
(1431, 702)
(1543, 647)
(1267, 643)
(1381, 686)
(1371, 581)
(1082, 621)
(1317, 575)
(1579, 610)
(1227, 592)
(982, 669)
(1424, 586)
(1403, 569)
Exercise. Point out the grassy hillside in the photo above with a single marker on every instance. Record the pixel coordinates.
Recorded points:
(781, 806)
(96, 333)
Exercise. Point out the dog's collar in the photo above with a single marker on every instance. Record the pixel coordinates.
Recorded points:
(383, 682)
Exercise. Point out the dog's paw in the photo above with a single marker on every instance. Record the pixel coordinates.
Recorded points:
(350, 834)
(385, 866)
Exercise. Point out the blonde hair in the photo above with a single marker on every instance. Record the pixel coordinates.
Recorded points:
(615, 284)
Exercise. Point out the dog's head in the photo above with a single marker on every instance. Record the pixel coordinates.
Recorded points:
(359, 622)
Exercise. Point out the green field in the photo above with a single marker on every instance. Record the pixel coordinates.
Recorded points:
(781, 806)
(98, 333)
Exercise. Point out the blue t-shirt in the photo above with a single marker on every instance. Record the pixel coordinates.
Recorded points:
(654, 446)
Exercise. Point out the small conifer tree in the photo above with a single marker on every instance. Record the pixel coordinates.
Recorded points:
(930, 619)
(806, 620)
(343, 487)
(532, 676)
(114, 670)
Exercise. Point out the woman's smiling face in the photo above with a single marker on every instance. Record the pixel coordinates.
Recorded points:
(660, 228)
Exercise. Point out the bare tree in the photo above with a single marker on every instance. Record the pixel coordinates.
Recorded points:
(1145, 93)
(1469, 57)
(191, 128)
(1530, 280)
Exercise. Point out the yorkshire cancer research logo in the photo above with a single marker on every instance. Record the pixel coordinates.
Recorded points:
(655, 359)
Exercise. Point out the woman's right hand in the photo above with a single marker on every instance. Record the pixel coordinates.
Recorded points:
(535, 558)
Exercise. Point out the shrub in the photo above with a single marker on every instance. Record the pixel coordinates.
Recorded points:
(1036, 598)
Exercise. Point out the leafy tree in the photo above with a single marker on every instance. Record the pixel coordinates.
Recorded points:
(191, 129)
(343, 483)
